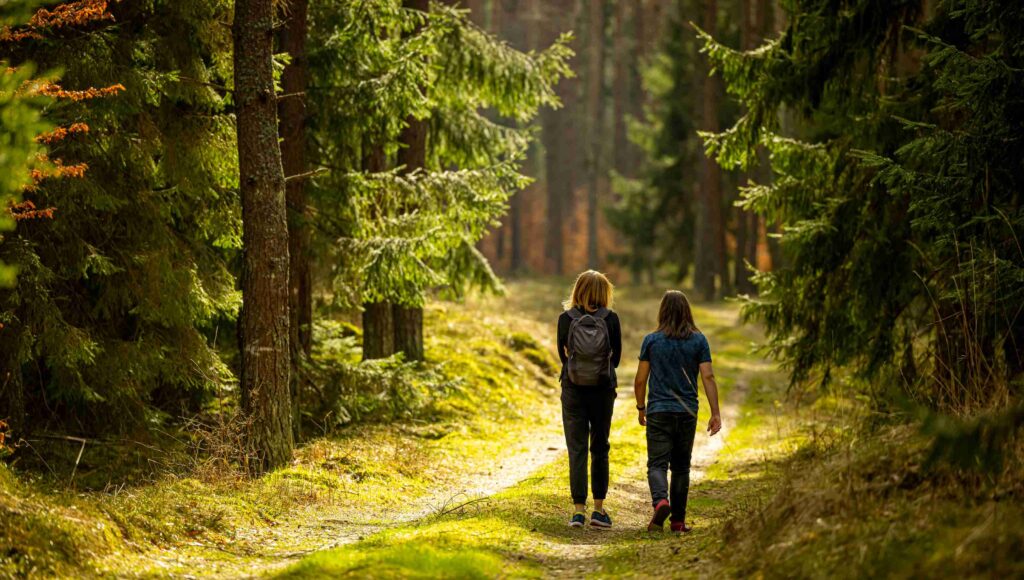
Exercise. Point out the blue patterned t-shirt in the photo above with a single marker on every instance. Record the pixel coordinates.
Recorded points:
(675, 366)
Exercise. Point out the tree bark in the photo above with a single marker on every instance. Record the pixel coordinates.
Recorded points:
(408, 320)
(292, 110)
(708, 214)
(263, 331)
(746, 222)
(378, 330)
(378, 324)
(597, 89)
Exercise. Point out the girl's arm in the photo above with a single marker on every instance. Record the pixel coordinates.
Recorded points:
(707, 376)
(615, 337)
(563, 336)
(643, 371)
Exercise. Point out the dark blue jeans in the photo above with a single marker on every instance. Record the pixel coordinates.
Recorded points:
(669, 446)
(587, 420)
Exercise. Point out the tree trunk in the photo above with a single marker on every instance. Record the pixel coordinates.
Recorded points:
(263, 330)
(292, 110)
(378, 330)
(597, 88)
(746, 222)
(708, 214)
(409, 331)
(408, 321)
(378, 324)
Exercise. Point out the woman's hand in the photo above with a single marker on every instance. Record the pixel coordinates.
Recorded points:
(715, 424)
(642, 417)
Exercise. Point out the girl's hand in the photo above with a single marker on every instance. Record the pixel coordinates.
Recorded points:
(642, 418)
(715, 424)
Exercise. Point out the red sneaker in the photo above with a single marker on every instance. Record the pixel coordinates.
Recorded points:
(661, 511)
(679, 527)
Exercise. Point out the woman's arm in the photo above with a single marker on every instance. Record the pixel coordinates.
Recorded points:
(643, 371)
(707, 376)
(563, 336)
(615, 338)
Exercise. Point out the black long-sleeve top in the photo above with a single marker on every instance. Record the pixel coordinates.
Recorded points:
(614, 336)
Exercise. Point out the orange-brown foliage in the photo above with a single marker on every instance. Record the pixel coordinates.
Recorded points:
(57, 92)
(69, 15)
(27, 210)
(60, 133)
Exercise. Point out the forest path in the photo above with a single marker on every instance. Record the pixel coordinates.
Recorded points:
(468, 476)
(629, 496)
(521, 529)
(478, 503)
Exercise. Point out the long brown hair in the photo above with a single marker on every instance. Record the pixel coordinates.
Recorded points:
(675, 317)
(591, 291)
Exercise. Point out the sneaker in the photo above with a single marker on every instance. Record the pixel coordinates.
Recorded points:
(661, 511)
(679, 527)
(578, 519)
(600, 520)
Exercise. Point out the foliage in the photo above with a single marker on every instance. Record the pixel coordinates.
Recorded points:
(116, 291)
(398, 235)
(20, 124)
(899, 196)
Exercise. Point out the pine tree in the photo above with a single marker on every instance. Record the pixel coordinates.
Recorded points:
(117, 298)
(264, 320)
(900, 202)
(404, 234)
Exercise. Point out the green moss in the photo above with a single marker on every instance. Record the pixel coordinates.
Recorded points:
(402, 561)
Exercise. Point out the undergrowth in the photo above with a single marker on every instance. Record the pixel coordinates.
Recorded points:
(867, 502)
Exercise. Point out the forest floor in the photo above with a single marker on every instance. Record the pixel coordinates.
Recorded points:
(514, 524)
(784, 490)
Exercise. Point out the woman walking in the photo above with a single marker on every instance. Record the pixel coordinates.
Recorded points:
(590, 345)
(671, 357)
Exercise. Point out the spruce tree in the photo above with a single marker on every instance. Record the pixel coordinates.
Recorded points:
(898, 192)
(403, 234)
(109, 325)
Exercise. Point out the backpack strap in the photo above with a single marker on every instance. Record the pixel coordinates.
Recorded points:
(575, 314)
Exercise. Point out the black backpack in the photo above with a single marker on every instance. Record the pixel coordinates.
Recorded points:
(589, 346)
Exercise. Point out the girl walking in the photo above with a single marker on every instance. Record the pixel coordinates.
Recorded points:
(670, 359)
(590, 345)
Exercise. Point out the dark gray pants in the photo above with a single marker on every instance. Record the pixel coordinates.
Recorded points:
(587, 420)
(669, 446)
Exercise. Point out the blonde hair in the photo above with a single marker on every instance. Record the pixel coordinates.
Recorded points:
(591, 291)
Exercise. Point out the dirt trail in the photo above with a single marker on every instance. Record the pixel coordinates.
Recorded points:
(629, 497)
(320, 528)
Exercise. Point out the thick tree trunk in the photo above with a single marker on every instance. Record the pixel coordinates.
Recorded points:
(408, 321)
(710, 232)
(409, 331)
(378, 330)
(746, 222)
(263, 330)
(292, 110)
